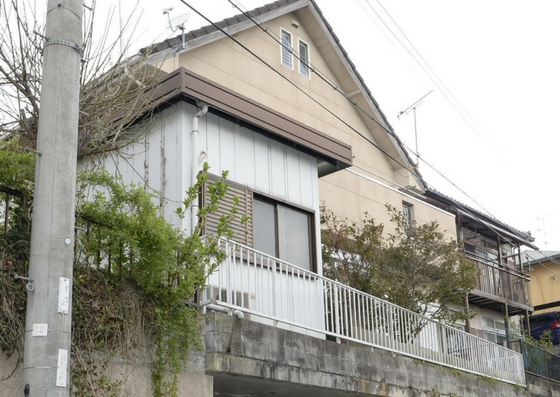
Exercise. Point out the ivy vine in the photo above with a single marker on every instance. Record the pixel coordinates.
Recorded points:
(134, 276)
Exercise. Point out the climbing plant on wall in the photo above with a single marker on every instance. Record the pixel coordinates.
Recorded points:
(134, 279)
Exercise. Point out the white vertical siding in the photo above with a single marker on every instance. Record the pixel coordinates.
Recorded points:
(152, 161)
(293, 167)
(245, 164)
(278, 171)
(262, 164)
(262, 176)
(162, 160)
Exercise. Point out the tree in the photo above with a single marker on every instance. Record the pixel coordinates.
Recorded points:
(115, 90)
(16, 189)
(415, 267)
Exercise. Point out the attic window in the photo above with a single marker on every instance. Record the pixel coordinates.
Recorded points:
(304, 59)
(286, 54)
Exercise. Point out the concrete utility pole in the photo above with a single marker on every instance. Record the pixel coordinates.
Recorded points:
(46, 365)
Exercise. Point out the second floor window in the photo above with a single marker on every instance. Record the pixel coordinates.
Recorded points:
(304, 59)
(274, 228)
(286, 51)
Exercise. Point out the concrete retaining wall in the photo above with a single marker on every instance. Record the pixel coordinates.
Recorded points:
(249, 358)
(245, 358)
(136, 380)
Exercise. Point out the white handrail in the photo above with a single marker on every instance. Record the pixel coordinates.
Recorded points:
(276, 292)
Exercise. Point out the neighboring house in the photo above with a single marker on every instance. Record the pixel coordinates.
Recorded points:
(277, 102)
(503, 286)
(544, 269)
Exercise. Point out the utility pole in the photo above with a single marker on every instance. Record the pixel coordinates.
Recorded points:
(46, 365)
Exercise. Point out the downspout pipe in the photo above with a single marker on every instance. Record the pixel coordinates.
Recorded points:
(195, 165)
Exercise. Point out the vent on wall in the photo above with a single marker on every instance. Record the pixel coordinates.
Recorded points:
(232, 297)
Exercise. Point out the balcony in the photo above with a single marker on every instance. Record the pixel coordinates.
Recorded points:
(273, 292)
(498, 286)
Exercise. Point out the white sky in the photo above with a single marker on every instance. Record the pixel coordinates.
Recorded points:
(489, 125)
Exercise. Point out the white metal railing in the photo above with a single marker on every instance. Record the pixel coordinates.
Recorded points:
(285, 295)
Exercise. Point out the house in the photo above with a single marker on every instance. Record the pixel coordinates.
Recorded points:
(272, 97)
(328, 95)
(543, 268)
(503, 286)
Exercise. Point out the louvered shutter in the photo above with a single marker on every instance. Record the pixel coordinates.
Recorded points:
(243, 232)
(287, 49)
(303, 59)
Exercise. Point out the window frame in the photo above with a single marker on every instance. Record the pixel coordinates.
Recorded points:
(277, 235)
(494, 333)
(408, 213)
(307, 63)
(246, 231)
(290, 51)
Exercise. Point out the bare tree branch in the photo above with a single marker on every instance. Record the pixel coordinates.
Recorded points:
(114, 88)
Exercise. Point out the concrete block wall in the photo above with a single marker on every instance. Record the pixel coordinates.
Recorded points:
(249, 358)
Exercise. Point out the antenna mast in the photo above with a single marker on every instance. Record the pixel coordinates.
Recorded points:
(406, 111)
(177, 23)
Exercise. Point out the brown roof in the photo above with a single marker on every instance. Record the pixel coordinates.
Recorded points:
(205, 30)
(276, 8)
(184, 84)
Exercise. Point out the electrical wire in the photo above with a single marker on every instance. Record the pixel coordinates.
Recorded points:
(251, 17)
(459, 108)
(267, 30)
(539, 261)
(296, 86)
(488, 212)
(317, 72)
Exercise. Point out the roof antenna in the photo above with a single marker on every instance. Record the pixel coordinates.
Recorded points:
(177, 23)
(406, 111)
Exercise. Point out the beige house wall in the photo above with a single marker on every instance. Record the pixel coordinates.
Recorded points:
(544, 286)
(349, 195)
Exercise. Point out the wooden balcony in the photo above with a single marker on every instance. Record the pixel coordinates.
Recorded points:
(499, 286)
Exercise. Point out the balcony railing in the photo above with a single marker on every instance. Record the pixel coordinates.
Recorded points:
(269, 290)
(538, 361)
(501, 281)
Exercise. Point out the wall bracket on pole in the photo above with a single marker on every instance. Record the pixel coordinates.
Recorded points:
(30, 282)
(66, 43)
(27, 149)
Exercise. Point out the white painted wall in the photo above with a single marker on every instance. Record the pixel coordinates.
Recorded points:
(161, 161)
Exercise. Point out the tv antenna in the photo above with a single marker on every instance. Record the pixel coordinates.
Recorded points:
(177, 23)
(413, 109)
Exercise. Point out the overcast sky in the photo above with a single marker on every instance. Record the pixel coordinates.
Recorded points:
(490, 124)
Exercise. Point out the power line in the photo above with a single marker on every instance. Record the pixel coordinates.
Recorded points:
(266, 30)
(424, 65)
(296, 86)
